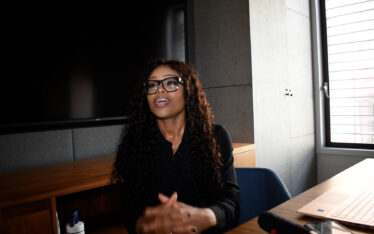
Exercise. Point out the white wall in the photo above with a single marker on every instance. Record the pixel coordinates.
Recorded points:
(281, 59)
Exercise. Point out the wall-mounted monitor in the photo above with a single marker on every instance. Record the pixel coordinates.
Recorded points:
(78, 63)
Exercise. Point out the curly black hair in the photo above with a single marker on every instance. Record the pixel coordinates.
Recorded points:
(133, 166)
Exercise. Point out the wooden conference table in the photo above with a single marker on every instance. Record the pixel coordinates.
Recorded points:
(361, 174)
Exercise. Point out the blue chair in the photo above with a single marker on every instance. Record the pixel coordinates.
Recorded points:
(260, 190)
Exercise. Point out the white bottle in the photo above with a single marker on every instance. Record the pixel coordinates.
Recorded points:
(58, 224)
(75, 226)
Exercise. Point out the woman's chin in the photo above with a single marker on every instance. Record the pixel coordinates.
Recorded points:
(166, 115)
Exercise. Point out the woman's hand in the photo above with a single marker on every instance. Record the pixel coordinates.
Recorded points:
(164, 218)
(200, 218)
(175, 217)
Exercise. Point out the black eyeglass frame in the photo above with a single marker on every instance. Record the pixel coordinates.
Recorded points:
(179, 81)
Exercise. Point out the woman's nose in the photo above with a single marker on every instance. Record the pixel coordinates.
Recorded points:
(160, 88)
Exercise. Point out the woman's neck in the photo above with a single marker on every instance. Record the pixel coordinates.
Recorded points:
(172, 129)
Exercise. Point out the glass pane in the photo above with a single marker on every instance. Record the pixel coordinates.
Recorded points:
(351, 47)
(350, 44)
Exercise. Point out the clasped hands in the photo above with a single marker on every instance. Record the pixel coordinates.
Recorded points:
(172, 216)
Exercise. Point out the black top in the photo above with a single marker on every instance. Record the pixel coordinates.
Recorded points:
(175, 174)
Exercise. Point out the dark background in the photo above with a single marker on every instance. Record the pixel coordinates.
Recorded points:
(60, 53)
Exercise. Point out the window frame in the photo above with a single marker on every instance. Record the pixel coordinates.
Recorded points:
(321, 18)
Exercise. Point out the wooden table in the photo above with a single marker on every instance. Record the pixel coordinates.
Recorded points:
(30, 198)
(359, 175)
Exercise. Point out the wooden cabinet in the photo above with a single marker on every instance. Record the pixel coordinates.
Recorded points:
(244, 155)
(30, 198)
(29, 217)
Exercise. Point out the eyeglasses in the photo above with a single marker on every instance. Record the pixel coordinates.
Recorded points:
(170, 84)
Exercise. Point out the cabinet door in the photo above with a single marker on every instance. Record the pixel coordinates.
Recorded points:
(33, 217)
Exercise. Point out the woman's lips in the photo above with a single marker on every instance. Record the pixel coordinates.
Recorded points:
(161, 101)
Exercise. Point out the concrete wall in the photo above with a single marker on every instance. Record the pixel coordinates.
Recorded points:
(331, 162)
(219, 47)
(282, 61)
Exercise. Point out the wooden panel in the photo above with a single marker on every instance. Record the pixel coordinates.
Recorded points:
(113, 229)
(53, 214)
(244, 155)
(54, 180)
(65, 178)
(28, 218)
(245, 159)
(24, 209)
(241, 147)
(99, 208)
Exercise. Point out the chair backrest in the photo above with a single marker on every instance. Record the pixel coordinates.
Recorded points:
(260, 189)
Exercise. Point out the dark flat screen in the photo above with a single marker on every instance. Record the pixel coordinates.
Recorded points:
(80, 61)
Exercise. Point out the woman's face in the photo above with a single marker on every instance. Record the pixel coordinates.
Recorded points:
(163, 104)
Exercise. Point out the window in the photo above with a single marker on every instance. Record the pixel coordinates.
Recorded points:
(348, 71)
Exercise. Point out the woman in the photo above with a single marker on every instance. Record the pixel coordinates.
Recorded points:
(175, 165)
